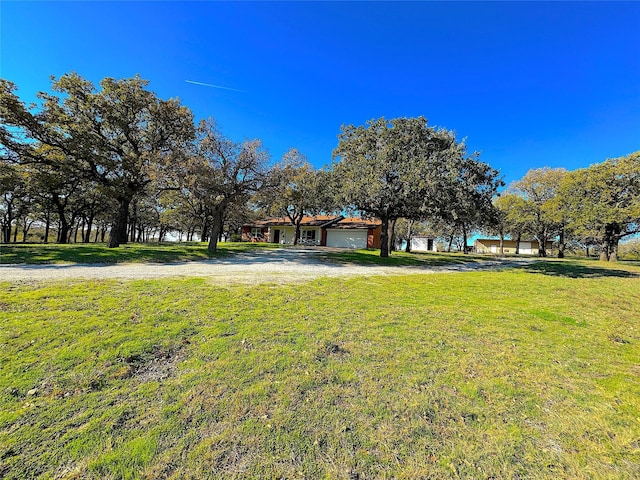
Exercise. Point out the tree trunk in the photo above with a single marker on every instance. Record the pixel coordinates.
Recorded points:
(204, 236)
(25, 229)
(216, 228)
(606, 241)
(392, 235)
(133, 222)
(384, 237)
(409, 235)
(6, 233)
(87, 238)
(518, 238)
(118, 234)
(81, 225)
(561, 243)
(609, 243)
(15, 232)
(8, 219)
(502, 244)
(613, 250)
(47, 224)
(296, 231)
(65, 226)
(542, 244)
(464, 238)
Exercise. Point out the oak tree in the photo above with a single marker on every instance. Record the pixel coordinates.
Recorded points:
(221, 173)
(115, 136)
(293, 191)
(404, 168)
(603, 202)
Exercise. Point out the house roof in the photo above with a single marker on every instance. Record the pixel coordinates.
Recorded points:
(508, 240)
(315, 221)
(356, 222)
(327, 221)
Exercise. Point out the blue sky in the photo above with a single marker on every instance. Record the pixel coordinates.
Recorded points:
(529, 84)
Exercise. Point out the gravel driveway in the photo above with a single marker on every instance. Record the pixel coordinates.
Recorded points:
(259, 266)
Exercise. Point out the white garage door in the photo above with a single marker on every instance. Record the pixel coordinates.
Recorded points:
(347, 238)
(525, 248)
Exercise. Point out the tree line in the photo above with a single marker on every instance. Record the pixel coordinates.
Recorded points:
(116, 163)
(594, 207)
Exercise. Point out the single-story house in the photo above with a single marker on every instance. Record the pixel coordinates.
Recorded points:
(492, 245)
(321, 230)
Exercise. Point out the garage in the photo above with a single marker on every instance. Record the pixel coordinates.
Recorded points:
(347, 238)
(526, 248)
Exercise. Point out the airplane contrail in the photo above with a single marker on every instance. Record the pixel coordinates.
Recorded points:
(214, 86)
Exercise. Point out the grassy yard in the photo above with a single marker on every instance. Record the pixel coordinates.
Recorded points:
(403, 259)
(527, 373)
(132, 252)
(181, 252)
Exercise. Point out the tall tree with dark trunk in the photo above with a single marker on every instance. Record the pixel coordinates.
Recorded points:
(221, 173)
(294, 190)
(538, 188)
(603, 202)
(398, 168)
(509, 218)
(12, 189)
(469, 195)
(116, 136)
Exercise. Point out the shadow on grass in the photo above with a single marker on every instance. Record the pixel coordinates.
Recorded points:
(573, 270)
(134, 252)
(399, 259)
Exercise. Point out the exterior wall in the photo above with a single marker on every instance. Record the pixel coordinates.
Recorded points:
(493, 246)
(421, 244)
(248, 237)
(287, 234)
(373, 237)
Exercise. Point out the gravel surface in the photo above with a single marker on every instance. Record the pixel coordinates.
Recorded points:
(260, 266)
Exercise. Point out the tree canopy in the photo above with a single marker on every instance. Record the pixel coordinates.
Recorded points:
(117, 158)
(221, 174)
(116, 136)
(404, 168)
(603, 202)
(295, 189)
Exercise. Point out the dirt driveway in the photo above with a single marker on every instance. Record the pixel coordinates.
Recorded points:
(259, 266)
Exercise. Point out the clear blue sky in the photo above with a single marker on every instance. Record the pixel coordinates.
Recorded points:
(528, 84)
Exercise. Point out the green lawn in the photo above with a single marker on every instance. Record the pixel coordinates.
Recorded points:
(132, 252)
(527, 373)
(403, 259)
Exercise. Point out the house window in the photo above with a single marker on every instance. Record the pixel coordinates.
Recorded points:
(308, 235)
(256, 232)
